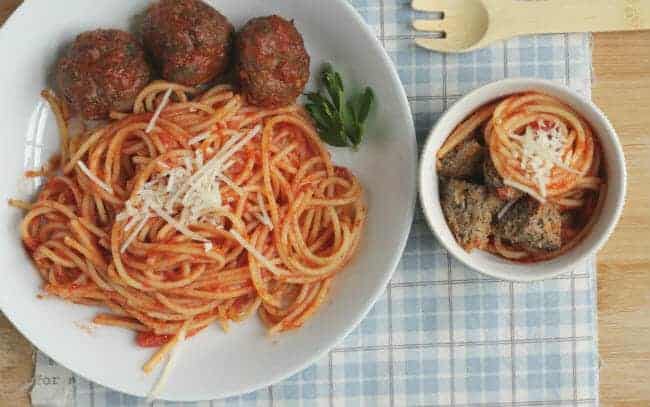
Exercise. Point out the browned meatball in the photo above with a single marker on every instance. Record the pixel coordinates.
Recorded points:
(189, 41)
(102, 70)
(272, 65)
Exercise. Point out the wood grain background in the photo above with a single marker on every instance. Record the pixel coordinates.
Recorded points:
(622, 89)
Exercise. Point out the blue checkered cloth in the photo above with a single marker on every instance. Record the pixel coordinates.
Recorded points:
(442, 334)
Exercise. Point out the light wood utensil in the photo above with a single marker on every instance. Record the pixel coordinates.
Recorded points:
(466, 25)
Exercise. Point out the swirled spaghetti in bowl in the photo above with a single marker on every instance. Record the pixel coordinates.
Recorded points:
(193, 209)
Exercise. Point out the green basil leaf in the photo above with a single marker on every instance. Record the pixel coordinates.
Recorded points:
(334, 138)
(329, 74)
(339, 120)
(364, 103)
(326, 106)
(348, 115)
(316, 112)
(338, 81)
(316, 98)
(334, 86)
(356, 134)
(328, 70)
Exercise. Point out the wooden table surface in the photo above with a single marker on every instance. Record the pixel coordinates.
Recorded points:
(622, 89)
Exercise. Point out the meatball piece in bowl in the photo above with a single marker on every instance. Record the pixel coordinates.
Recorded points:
(272, 62)
(190, 42)
(102, 70)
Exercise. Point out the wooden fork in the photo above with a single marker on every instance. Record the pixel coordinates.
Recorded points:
(470, 24)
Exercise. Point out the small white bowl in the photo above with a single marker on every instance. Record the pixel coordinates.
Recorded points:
(493, 265)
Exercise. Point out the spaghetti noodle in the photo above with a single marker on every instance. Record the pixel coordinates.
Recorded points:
(543, 148)
(194, 209)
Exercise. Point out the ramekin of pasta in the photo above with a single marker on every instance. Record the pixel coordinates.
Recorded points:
(523, 179)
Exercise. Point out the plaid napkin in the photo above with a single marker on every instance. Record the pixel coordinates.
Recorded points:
(441, 334)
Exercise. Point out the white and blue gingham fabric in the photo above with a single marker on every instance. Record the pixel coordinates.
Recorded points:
(442, 334)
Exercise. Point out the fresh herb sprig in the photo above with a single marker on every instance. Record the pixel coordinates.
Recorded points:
(340, 121)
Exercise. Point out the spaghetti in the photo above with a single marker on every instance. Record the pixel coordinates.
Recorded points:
(543, 148)
(194, 209)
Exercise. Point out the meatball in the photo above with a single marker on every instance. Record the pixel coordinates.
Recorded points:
(102, 70)
(469, 209)
(533, 225)
(189, 41)
(465, 161)
(272, 63)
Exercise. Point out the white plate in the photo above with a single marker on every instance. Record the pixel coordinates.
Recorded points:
(213, 364)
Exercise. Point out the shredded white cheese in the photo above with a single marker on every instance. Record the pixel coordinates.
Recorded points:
(268, 264)
(94, 178)
(188, 164)
(541, 151)
(505, 208)
(231, 183)
(266, 220)
(129, 225)
(171, 361)
(175, 224)
(159, 109)
(207, 246)
(133, 235)
(183, 195)
(199, 138)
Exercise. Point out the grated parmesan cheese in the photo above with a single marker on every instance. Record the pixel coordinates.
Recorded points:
(199, 138)
(133, 235)
(231, 183)
(268, 264)
(541, 151)
(176, 225)
(129, 225)
(188, 163)
(94, 178)
(184, 194)
(506, 208)
(266, 220)
(171, 362)
(159, 109)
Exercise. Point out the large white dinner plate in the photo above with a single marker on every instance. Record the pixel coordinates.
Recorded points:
(212, 364)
